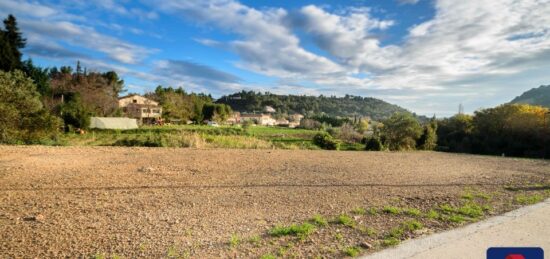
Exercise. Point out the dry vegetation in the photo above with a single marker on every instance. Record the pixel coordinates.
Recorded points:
(109, 202)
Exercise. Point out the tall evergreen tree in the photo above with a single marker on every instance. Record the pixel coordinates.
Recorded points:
(14, 41)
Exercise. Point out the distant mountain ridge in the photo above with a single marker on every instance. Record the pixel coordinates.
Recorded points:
(536, 96)
(347, 106)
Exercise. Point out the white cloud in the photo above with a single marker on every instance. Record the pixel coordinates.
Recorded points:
(267, 45)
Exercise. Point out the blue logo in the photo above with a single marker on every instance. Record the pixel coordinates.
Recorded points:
(515, 253)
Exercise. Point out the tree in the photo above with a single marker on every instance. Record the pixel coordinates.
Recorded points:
(428, 139)
(216, 112)
(374, 144)
(23, 116)
(455, 133)
(74, 113)
(11, 42)
(401, 131)
(40, 76)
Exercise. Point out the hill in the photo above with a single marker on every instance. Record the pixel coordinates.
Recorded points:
(346, 106)
(535, 96)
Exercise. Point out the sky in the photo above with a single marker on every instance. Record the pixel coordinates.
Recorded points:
(425, 55)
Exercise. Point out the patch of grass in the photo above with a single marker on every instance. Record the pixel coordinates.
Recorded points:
(172, 252)
(471, 210)
(456, 218)
(412, 225)
(339, 237)
(432, 214)
(359, 211)
(525, 199)
(371, 232)
(268, 256)
(98, 256)
(352, 251)
(391, 210)
(296, 230)
(412, 212)
(319, 220)
(234, 241)
(484, 196)
(467, 196)
(390, 241)
(446, 208)
(395, 232)
(373, 211)
(254, 240)
(345, 220)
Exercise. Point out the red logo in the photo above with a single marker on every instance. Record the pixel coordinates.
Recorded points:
(515, 256)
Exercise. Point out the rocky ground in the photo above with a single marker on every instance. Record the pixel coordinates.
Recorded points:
(208, 203)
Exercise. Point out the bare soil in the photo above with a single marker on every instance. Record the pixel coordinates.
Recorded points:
(162, 202)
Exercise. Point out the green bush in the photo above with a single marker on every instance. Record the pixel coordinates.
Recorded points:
(325, 141)
(374, 144)
(24, 119)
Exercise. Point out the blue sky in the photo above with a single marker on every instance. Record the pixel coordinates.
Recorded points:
(425, 55)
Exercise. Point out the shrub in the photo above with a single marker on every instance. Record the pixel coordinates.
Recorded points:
(345, 220)
(374, 144)
(24, 118)
(325, 141)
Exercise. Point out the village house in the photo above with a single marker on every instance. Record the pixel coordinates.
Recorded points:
(145, 110)
(260, 119)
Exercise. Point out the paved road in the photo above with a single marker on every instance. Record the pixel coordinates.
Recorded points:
(528, 226)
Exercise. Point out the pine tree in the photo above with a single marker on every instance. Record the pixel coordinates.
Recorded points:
(15, 41)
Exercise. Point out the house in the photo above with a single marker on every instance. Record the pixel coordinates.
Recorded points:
(282, 122)
(269, 109)
(260, 119)
(234, 118)
(145, 110)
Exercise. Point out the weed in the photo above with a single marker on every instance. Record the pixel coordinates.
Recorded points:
(390, 241)
(412, 225)
(115, 256)
(234, 241)
(528, 199)
(369, 231)
(359, 211)
(268, 256)
(172, 252)
(345, 220)
(471, 210)
(483, 196)
(395, 232)
(99, 256)
(373, 211)
(447, 208)
(352, 251)
(319, 220)
(254, 240)
(412, 212)
(297, 230)
(432, 214)
(391, 210)
(338, 237)
(467, 196)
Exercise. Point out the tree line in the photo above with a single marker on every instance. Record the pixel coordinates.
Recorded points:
(347, 106)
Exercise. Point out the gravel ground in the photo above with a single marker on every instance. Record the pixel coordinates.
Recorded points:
(162, 202)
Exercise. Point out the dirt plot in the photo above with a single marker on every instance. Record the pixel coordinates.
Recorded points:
(162, 202)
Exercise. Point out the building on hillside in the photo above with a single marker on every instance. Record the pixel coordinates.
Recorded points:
(296, 117)
(234, 118)
(145, 110)
(269, 109)
(282, 122)
(260, 119)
